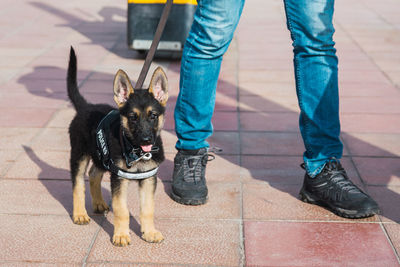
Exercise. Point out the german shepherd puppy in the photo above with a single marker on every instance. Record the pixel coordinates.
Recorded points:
(141, 120)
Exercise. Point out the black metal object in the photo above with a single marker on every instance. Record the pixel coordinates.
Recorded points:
(143, 20)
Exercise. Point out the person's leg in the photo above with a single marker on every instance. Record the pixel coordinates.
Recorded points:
(212, 31)
(316, 71)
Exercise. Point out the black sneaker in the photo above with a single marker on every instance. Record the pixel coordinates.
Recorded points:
(189, 182)
(332, 189)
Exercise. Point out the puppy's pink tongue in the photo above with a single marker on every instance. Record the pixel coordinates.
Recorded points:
(146, 148)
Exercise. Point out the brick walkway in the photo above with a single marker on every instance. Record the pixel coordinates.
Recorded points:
(253, 216)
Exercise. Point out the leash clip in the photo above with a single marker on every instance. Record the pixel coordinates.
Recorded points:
(146, 156)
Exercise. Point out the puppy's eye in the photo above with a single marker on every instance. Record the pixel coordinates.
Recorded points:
(133, 116)
(153, 115)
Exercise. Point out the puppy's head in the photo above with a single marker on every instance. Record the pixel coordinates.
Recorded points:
(142, 111)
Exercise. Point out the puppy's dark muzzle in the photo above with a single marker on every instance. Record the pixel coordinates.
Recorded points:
(146, 140)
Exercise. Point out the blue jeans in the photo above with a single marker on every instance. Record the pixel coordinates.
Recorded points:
(315, 64)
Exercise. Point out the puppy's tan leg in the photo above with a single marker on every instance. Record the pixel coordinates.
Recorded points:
(147, 189)
(121, 213)
(79, 214)
(95, 177)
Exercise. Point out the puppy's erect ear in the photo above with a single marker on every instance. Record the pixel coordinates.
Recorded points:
(159, 86)
(122, 88)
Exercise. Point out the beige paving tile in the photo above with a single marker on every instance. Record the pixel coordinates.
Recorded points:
(280, 202)
(45, 197)
(223, 202)
(14, 138)
(52, 139)
(393, 231)
(187, 241)
(53, 239)
(38, 164)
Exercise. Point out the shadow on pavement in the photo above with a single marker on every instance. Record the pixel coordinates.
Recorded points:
(62, 192)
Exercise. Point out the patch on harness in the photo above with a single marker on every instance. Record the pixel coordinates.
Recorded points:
(102, 141)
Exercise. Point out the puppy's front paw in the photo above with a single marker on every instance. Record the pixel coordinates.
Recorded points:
(100, 207)
(81, 219)
(153, 236)
(121, 240)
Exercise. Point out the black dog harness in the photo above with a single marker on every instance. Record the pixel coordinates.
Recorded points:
(131, 154)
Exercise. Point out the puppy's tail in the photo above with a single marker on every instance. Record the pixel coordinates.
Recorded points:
(72, 85)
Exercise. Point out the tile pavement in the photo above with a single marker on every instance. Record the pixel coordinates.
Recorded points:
(253, 216)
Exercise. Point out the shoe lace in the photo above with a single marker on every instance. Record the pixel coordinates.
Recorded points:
(194, 165)
(340, 183)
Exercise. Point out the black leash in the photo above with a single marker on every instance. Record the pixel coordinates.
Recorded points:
(154, 44)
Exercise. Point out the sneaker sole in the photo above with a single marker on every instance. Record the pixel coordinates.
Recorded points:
(189, 201)
(350, 214)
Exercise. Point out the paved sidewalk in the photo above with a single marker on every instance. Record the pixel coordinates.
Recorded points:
(253, 216)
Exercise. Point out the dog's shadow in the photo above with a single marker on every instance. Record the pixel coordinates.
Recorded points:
(61, 190)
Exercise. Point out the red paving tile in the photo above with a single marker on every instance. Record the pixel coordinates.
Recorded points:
(225, 102)
(379, 171)
(370, 105)
(266, 76)
(227, 88)
(225, 121)
(272, 143)
(266, 90)
(277, 122)
(366, 76)
(269, 103)
(369, 89)
(370, 123)
(386, 196)
(227, 141)
(316, 244)
(380, 145)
